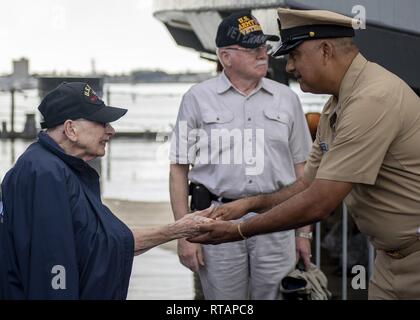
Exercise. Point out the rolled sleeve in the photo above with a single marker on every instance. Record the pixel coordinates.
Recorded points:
(300, 141)
(185, 133)
(312, 164)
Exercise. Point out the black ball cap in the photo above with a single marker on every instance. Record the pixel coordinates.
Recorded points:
(76, 100)
(243, 29)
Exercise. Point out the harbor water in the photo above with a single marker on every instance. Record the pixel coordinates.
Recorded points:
(132, 169)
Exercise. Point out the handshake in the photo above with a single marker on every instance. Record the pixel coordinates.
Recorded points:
(212, 225)
(204, 226)
(189, 225)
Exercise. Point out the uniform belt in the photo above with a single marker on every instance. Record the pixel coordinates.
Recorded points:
(402, 253)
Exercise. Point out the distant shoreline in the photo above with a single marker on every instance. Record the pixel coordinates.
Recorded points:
(135, 77)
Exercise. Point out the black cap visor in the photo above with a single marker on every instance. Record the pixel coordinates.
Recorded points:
(295, 36)
(106, 114)
(285, 48)
(272, 37)
(292, 284)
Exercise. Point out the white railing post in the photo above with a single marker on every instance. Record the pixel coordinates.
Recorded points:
(371, 258)
(318, 244)
(344, 255)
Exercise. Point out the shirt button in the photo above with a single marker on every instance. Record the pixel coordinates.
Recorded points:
(249, 181)
(217, 118)
(249, 119)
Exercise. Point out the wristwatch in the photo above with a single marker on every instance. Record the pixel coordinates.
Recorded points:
(307, 235)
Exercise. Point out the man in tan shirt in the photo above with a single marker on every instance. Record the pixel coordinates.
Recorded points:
(365, 153)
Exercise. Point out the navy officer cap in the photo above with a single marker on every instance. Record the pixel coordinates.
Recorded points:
(297, 26)
(243, 29)
(76, 100)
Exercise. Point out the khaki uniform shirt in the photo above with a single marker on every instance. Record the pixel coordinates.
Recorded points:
(371, 138)
(240, 145)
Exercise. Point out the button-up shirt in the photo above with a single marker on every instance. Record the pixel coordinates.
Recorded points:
(240, 145)
(370, 137)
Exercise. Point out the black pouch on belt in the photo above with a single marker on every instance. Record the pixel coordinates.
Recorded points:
(200, 197)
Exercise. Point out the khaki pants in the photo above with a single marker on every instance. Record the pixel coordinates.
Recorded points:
(395, 278)
(251, 268)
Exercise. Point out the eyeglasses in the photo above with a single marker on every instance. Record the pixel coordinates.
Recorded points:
(265, 47)
(105, 125)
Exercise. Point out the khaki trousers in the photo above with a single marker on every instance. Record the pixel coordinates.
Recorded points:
(395, 278)
(251, 268)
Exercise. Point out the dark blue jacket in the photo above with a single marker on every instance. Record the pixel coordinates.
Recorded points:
(58, 240)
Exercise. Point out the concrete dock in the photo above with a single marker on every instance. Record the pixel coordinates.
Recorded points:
(157, 274)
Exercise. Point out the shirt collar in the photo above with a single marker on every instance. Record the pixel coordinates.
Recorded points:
(349, 79)
(330, 104)
(224, 84)
(75, 163)
(347, 83)
(267, 86)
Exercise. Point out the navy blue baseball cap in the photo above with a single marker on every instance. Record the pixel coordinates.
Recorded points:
(76, 100)
(243, 29)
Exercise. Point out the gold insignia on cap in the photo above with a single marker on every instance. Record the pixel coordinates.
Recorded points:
(312, 34)
(87, 90)
(248, 25)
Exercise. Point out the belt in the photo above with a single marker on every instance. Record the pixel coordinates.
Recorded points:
(402, 253)
(220, 199)
(210, 195)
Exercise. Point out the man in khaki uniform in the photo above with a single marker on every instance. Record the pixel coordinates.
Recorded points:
(365, 153)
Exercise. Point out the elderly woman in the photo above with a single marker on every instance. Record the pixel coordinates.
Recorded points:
(58, 240)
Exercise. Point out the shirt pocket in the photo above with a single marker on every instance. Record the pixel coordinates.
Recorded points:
(277, 124)
(219, 126)
(217, 119)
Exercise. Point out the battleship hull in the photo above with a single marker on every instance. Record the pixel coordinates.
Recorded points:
(391, 37)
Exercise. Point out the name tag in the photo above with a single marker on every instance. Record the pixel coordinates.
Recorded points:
(323, 146)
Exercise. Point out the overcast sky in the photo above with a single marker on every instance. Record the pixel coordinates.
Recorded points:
(62, 35)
